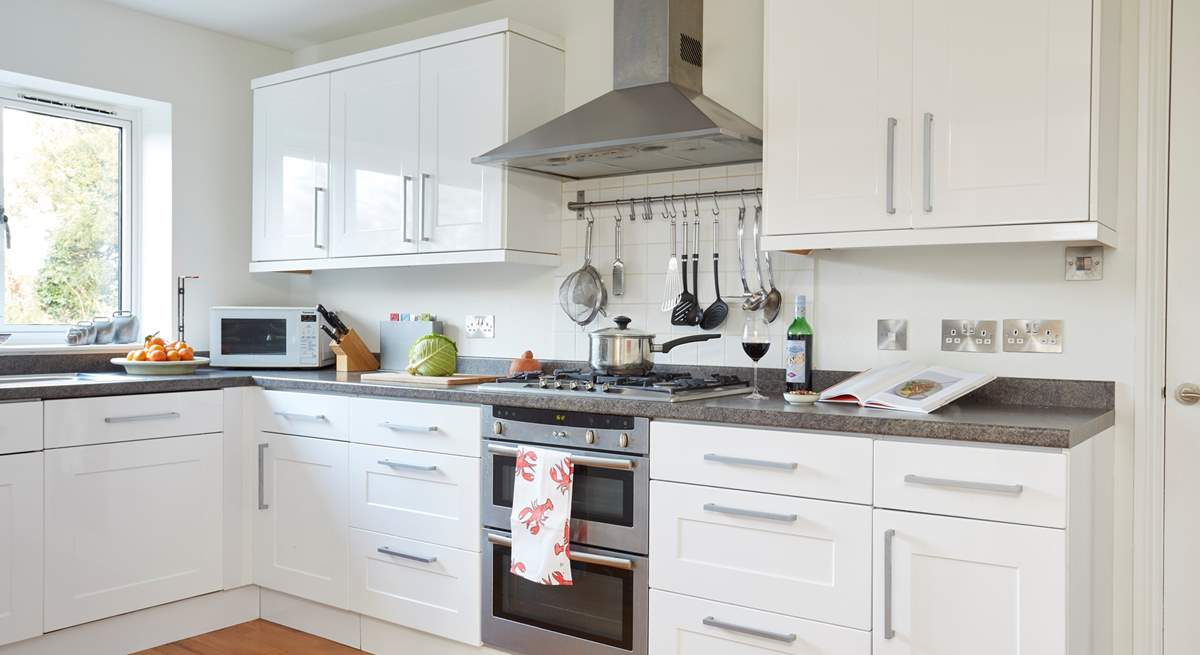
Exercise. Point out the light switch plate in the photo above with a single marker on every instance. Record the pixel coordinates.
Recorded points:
(1033, 335)
(892, 333)
(967, 336)
(480, 326)
(1085, 263)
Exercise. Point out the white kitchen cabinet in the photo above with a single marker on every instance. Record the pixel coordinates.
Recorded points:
(947, 586)
(290, 215)
(20, 546)
(130, 525)
(301, 526)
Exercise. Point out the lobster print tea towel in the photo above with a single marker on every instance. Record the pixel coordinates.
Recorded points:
(541, 516)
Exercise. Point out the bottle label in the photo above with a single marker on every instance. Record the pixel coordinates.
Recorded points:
(795, 356)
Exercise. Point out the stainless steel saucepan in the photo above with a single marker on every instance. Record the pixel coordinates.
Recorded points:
(622, 351)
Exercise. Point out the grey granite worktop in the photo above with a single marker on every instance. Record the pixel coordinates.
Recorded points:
(994, 415)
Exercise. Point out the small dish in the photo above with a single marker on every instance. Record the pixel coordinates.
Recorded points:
(160, 368)
(801, 397)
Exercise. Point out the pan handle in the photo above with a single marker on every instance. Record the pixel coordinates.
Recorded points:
(668, 345)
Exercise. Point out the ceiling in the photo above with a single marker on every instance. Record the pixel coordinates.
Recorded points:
(294, 24)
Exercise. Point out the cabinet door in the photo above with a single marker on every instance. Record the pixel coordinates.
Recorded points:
(1005, 88)
(953, 586)
(291, 169)
(838, 120)
(131, 525)
(301, 527)
(20, 547)
(374, 131)
(462, 116)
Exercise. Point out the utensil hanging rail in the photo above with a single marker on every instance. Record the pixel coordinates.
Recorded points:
(578, 206)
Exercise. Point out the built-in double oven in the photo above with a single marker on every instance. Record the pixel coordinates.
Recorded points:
(605, 611)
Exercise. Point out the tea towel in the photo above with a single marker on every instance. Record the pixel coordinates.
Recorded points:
(541, 516)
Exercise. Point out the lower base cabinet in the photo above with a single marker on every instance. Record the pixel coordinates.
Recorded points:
(20, 546)
(130, 525)
(683, 625)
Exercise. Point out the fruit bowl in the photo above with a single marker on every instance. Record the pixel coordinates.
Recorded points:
(160, 368)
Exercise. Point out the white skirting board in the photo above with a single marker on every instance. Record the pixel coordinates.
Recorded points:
(314, 618)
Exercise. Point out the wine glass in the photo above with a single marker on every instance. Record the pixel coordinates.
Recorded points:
(756, 343)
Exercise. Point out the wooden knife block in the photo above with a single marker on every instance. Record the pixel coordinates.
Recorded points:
(353, 356)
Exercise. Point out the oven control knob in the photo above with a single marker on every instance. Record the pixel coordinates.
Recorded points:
(590, 436)
(498, 427)
(623, 440)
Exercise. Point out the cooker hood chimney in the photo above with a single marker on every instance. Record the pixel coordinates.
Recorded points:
(656, 117)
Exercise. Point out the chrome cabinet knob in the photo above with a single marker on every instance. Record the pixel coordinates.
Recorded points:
(498, 427)
(1188, 393)
(623, 440)
(590, 436)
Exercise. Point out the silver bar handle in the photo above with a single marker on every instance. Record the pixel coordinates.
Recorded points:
(262, 447)
(746, 461)
(405, 465)
(421, 216)
(142, 417)
(292, 416)
(928, 163)
(578, 460)
(993, 487)
(317, 191)
(888, 630)
(714, 622)
(750, 513)
(583, 558)
(399, 427)
(890, 202)
(408, 180)
(416, 558)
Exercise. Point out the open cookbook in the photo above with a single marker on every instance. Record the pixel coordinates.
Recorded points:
(907, 387)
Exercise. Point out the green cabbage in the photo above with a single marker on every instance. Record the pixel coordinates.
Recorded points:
(433, 355)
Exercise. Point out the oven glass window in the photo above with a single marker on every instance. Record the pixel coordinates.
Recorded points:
(254, 336)
(599, 495)
(598, 607)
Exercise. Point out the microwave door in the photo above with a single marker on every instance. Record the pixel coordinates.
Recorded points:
(254, 337)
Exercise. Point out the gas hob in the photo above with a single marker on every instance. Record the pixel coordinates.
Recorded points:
(662, 387)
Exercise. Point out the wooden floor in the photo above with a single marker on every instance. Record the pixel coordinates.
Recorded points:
(253, 638)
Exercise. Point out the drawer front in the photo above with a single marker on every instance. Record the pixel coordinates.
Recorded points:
(805, 558)
(999, 484)
(85, 421)
(416, 584)
(772, 461)
(20, 427)
(304, 414)
(437, 428)
(682, 624)
(409, 493)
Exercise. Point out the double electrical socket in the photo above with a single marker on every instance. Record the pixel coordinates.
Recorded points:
(1019, 335)
(966, 336)
(480, 326)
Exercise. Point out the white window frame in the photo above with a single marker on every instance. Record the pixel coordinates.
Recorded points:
(128, 120)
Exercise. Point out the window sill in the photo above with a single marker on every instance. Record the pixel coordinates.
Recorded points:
(63, 349)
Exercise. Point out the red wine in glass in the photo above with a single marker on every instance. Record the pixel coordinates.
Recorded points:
(755, 349)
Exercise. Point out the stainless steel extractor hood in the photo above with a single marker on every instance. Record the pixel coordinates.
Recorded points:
(656, 117)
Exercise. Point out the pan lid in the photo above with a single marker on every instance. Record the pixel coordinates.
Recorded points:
(622, 329)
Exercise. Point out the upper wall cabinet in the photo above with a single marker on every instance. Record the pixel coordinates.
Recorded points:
(366, 160)
(915, 122)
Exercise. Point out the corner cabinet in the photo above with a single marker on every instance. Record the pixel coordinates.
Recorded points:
(923, 122)
(365, 161)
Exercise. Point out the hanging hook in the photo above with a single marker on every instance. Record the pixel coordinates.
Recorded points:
(697, 199)
(716, 210)
(674, 213)
(742, 198)
(684, 199)
(648, 215)
(617, 206)
(758, 199)
(665, 212)
(591, 217)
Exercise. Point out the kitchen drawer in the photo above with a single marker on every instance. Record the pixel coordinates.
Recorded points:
(410, 493)
(20, 427)
(85, 421)
(416, 584)
(682, 624)
(805, 558)
(305, 414)
(438, 428)
(773, 461)
(999, 484)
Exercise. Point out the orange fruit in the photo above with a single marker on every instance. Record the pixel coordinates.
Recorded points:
(155, 346)
(139, 356)
(182, 345)
(156, 341)
(186, 354)
(132, 355)
(159, 355)
(172, 355)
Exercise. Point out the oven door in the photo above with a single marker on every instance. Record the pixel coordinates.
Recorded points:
(605, 612)
(610, 499)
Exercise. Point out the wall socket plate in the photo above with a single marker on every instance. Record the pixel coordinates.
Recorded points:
(480, 326)
(967, 336)
(891, 334)
(1033, 335)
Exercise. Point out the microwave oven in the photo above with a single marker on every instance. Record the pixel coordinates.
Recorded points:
(268, 337)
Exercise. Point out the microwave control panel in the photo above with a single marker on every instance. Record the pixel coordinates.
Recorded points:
(310, 346)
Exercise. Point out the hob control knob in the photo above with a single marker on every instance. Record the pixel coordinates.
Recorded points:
(623, 440)
(590, 436)
(498, 427)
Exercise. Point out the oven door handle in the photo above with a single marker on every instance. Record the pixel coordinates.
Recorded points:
(583, 558)
(578, 460)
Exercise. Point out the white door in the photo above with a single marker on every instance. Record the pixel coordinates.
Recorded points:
(1181, 602)
(839, 78)
(301, 526)
(949, 586)
(20, 547)
(462, 116)
(374, 128)
(131, 525)
(291, 170)
(1004, 90)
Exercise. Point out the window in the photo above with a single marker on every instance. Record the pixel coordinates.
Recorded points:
(65, 198)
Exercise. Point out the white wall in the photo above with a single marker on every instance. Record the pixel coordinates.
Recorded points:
(205, 77)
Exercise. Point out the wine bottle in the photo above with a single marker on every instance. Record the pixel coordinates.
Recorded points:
(798, 351)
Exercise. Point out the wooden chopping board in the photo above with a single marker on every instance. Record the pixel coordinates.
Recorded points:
(430, 380)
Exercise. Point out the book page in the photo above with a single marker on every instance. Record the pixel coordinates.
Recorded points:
(928, 389)
(862, 386)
